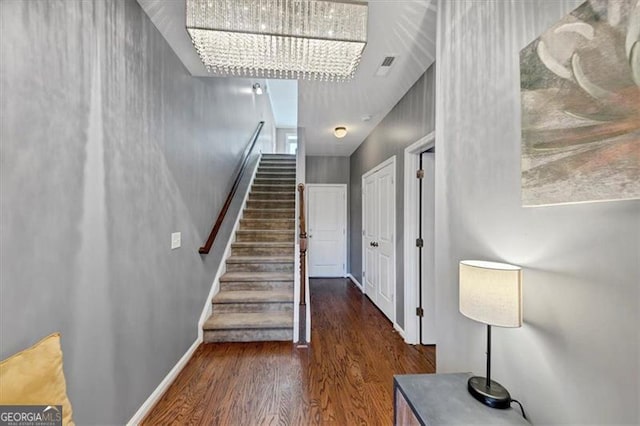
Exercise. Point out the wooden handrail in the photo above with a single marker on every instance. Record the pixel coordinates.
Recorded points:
(303, 269)
(216, 227)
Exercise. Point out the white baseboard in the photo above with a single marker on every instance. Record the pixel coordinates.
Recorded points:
(356, 282)
(399, 330)
(146, 407)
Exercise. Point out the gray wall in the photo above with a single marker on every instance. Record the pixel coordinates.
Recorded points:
(411, 119)
(576, 359)
(281, 139)
(332, 170)
(108, 146)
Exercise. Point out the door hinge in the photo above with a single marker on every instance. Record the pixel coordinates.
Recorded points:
(419, 242)
(420, 174)
(420, 312)
(362, 274)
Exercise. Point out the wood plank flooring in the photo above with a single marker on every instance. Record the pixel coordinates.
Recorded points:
(344, 378)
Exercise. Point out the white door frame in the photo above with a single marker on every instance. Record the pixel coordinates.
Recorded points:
(388, 161)
(411, 320)
(346, 224)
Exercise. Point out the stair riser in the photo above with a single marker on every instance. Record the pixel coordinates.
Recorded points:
(285, 164)
(272, 181)
(276, 173)
(268, 214)
(252, 307)
(271, 204)
(286, 178)
(247, 236)
(267, 224)
(256, 285)
(259, 335)
(280, 196)
(279, 163)
(260, 267)
(273, 188)
(262, 251)
(285, 170)
(291, 174)
(269, 156)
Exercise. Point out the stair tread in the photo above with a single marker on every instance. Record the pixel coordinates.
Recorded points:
(257, 276)
(270, 200)
(270, 187)
(282, 179)
(254, 296)
(262, 320)
(260, 259)
(263, 244)
(272, 192)
(266, 219)
(271, 231)
(259, 210)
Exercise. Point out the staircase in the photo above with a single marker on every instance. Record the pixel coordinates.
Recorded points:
(255, 302)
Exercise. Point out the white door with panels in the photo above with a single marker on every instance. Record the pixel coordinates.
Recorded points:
(327, 230)
(378, 236)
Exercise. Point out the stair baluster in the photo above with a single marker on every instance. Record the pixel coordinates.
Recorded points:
(302, 339)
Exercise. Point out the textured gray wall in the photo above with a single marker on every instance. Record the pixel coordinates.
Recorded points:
(576, 359)
(331, 170)
(327, 169)
(108, 146)
(411, 119)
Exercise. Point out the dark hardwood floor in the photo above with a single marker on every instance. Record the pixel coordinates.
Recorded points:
(344, 378)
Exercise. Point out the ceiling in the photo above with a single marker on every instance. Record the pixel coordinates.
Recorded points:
(405, 29)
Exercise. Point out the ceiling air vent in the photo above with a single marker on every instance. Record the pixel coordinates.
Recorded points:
(384, 68)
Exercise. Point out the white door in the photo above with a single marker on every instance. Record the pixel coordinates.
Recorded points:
(379, 236)
(327, 230)
(370, 227)
(428, 331)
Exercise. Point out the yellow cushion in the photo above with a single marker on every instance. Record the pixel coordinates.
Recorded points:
(35, 377)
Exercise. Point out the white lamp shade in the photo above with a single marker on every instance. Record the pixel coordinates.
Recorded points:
(491, 293)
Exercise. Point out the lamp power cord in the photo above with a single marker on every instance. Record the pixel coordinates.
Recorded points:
(521, 407)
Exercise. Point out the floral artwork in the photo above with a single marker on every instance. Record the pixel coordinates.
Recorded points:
(580, 87)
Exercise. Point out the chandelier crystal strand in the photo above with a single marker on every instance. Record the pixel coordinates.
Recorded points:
(308, 39)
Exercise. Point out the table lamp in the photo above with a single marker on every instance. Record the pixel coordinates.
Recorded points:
(490, 293)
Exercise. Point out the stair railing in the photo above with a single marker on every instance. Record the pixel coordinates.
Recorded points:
(243, 165)
(303, 339)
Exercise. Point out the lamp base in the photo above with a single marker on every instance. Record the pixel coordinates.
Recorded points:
(494, 395)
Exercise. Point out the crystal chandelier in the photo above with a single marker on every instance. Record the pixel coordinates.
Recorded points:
(308, 39)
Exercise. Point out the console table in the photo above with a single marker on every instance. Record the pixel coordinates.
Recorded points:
(443, 399)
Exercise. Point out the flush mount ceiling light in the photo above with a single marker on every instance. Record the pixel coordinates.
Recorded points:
(307, 39)
(257, 89)
(340, 132)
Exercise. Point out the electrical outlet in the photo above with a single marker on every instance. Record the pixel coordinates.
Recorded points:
(176, 240)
